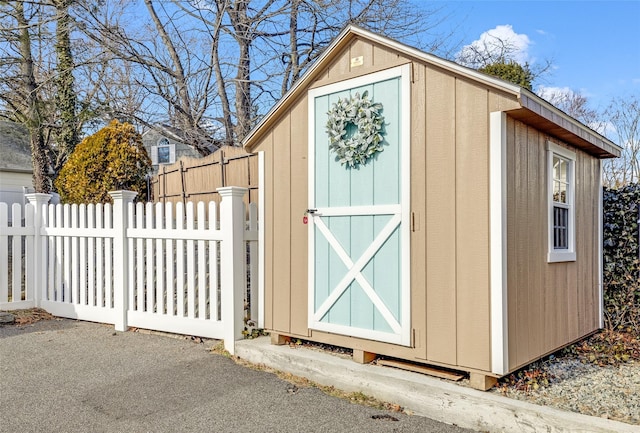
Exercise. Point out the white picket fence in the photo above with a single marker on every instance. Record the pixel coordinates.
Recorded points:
(187, 269)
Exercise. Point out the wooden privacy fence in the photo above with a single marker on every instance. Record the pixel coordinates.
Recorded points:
(179, 268)
(198, 179)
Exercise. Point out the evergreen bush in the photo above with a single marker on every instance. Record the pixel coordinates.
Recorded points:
(113, 158)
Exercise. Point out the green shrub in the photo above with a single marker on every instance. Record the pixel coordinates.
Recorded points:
(113, 158)
(621, 273)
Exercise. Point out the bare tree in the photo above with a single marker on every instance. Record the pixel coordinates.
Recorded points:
(20, 90)
(623, 117)
(165, 60)
(216, 65)
(574, 103)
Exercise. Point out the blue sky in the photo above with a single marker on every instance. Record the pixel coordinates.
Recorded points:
(594, 45)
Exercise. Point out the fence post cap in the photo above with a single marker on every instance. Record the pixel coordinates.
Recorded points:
(232, 191)
(123, 195)
(38, 197)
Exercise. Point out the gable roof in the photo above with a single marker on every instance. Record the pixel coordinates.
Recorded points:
(534, 110)
(15, 148)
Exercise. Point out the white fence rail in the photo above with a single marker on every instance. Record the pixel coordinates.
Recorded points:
(182, 269)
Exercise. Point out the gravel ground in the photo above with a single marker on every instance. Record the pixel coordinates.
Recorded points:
(608, 392)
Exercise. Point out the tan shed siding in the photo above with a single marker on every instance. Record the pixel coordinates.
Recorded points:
(440, 216)
(374, 58)
(419, 303)
(549, 304)
(299, 200)
(472, 225)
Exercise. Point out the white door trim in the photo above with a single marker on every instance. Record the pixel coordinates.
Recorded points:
(402, 330)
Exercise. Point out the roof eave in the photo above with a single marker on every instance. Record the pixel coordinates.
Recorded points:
(604, 148)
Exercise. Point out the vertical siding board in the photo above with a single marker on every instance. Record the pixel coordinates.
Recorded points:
(419, 196)
(440, 217)
(299, 199)
(540, 242)
(595, 277)
(340, 65)
(583, 241)
(282, 225)
(512, 243)
(596, 250)
(472, 225)
(534, 236)
(521, 210)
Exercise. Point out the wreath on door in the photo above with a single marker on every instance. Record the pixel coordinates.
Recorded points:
(359, 115)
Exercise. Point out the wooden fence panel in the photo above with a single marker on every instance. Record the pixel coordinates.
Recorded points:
(196, 179)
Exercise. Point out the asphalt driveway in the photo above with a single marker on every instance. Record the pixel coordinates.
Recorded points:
(68, 376)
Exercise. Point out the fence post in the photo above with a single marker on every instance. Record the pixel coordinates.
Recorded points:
(38, 200)
(121, 200)
(232, 263)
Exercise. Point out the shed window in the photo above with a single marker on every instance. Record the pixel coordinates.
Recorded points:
(163, 152)
(561, 203)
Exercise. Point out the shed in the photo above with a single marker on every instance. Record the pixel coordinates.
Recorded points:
(472, 241)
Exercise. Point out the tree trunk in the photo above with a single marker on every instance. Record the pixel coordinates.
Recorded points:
(41, 181)
(66, 100)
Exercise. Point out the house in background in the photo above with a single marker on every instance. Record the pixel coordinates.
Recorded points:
(165, 145)
(16, 170)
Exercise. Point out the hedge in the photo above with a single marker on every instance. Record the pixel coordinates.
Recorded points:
(621, 273)
(111, 159)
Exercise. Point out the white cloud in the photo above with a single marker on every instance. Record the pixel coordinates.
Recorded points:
(501, 42)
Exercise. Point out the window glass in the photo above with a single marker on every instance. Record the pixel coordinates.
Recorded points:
(560, 180)
(164, 154)
(561, 190)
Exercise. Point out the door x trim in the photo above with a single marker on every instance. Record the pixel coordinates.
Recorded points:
(354, 271)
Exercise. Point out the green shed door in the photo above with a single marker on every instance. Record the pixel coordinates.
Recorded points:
(359, 218)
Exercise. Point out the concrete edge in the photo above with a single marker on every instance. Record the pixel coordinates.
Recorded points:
(424, 395)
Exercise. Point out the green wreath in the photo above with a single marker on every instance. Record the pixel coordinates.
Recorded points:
(361, 113)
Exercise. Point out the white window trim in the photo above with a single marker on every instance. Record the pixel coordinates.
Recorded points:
(569, 254)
